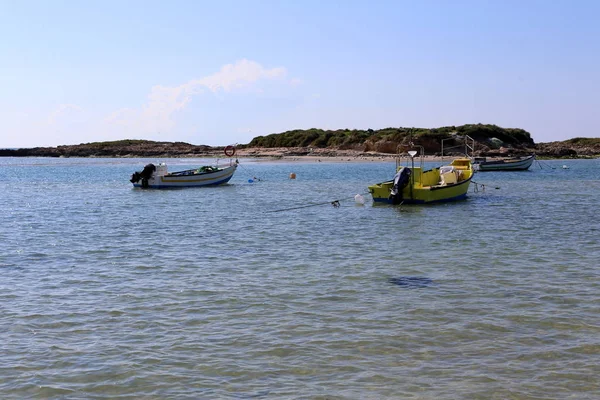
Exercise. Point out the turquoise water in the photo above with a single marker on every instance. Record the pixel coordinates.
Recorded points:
(112, 292)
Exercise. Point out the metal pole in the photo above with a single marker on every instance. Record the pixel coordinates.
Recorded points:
(412, 177)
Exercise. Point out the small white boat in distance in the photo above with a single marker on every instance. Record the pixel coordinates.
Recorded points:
(157, 176)
(511, 164)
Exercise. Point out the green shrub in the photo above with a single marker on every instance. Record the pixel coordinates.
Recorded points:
(328, 138)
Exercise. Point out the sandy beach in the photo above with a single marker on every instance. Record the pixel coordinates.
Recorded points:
(319, 155)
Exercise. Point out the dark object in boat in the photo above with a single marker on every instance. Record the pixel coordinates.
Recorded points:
(401, 179)
(146, 173)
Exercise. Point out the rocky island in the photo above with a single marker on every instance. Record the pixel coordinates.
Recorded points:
(482, 140)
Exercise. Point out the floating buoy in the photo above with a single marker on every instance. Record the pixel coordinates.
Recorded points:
(359, 199)
(565, 167)
(293, 175)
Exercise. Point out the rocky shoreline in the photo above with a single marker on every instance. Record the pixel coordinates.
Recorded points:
(145, 149)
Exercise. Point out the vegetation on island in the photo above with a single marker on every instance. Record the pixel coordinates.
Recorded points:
(487, 140)
(580, 141)
(350, 138)
(387, 140)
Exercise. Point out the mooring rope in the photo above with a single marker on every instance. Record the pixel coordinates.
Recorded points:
(254, 178)
(540, 164)
(334, 203)
(477, 185)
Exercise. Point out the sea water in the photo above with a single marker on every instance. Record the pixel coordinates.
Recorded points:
(263, 289)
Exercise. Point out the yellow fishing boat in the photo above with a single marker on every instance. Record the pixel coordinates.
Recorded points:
(415, 185)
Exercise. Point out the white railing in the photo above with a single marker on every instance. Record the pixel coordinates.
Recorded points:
(468, 142)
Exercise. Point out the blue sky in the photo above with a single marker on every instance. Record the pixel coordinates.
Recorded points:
(217, 73)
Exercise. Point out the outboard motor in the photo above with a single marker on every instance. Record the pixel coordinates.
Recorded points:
(144, 175)
(401, 179)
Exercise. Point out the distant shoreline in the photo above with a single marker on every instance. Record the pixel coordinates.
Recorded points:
(265, 155)
(479, 140)
(184, 150)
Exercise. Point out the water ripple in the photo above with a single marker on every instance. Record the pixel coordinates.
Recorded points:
(109, 292)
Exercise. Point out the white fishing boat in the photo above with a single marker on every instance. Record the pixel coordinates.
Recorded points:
(158, 177)
(510, 164)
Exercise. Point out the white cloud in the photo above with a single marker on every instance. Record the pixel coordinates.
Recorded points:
(61, 111)
(235, 76)
(157, 114)
(154, 119)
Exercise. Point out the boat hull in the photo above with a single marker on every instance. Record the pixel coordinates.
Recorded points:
(456, 192)
(169, 181)
(506, 165)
